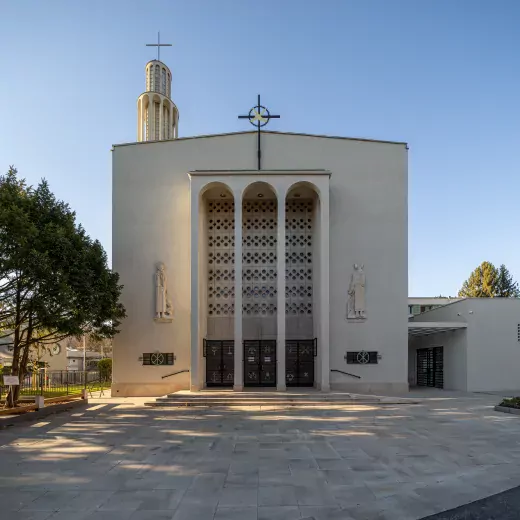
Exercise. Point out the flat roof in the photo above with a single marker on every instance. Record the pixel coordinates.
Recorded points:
(363, 139)
(427, 328)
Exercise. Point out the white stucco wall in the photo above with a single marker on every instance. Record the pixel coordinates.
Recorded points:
(368, 225)
(494, 349)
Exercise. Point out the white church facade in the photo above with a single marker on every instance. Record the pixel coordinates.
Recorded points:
(291, 275)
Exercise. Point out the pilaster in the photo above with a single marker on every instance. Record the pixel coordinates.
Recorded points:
(194, 320)
(239, 351)
(323, 338)
(280, 279)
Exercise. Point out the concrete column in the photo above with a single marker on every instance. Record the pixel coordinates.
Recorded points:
(239, 350)
(194, 323)
(161, 121)
(140, 119)
(151, 118)
(323, 338)
(280, 284)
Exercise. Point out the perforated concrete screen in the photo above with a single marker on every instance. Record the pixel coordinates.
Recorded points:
(221, 268)
(259, 275)
(298, 268)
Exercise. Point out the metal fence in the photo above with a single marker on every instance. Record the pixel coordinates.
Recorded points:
(57, 383)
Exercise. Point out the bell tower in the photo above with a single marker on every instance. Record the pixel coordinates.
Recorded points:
(157, 115)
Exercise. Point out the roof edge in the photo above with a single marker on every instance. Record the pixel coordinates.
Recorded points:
(321, 136)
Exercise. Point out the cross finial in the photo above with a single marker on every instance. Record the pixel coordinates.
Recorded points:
(259, 116)
(158, 45)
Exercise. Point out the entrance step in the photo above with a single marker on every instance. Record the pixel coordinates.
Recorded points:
(270, 399)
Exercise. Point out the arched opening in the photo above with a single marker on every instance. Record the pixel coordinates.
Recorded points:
(163, 81)
(259, 279)
(217, 283)
(301, 270)
(166, 119)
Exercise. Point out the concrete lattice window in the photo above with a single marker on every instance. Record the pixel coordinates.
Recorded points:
(298, 257)
(259, 272)
(221, 258)
(518, 332)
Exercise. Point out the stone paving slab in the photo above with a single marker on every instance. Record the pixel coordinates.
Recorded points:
(120, 460)
(502, 506)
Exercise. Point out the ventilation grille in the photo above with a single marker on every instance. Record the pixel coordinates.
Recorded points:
(298, 257)
(221, 258)
(259, 243)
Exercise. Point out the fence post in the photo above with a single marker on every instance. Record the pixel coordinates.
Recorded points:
(42, 379)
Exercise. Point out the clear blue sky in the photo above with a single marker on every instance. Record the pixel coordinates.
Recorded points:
(442, 75)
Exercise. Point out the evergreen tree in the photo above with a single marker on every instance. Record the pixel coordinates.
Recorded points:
(54, 279)
(506, 287)
(481, 283)
(486, 281)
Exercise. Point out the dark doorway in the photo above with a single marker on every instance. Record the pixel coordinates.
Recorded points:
(220, 362)
(260, 363)
(430, 367)
(299, 362)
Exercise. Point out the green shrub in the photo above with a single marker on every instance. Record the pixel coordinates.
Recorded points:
(105, 369)
(513, 402)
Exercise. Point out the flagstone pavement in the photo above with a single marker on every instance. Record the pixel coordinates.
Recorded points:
(116, 459)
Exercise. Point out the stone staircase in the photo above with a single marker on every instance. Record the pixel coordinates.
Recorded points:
(269, 398)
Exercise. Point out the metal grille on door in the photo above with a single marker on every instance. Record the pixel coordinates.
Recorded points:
(430, 367)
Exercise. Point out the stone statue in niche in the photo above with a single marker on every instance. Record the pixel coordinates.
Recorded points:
(356, 291)
(163, 305)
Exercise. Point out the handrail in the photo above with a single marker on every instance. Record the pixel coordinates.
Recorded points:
(346, 373)
(175, 373)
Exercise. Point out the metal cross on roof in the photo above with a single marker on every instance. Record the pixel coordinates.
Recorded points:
(259, 116)
(158, 45)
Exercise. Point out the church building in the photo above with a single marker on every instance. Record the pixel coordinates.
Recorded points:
(257, 258)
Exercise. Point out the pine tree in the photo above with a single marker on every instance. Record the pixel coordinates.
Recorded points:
(506, 287)
(486, 281)
(481, 283)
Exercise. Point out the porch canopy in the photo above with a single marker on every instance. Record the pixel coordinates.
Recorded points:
(427, 328)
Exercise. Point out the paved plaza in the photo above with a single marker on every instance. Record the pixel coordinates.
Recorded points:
(116, 459)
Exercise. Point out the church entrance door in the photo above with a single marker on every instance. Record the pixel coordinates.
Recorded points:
(220, 358)
(299, 362)
(260, 363)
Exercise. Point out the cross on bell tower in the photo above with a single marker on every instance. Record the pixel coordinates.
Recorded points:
(157, 115)
(158, 45)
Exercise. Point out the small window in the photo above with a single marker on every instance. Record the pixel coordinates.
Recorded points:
(518, 332)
